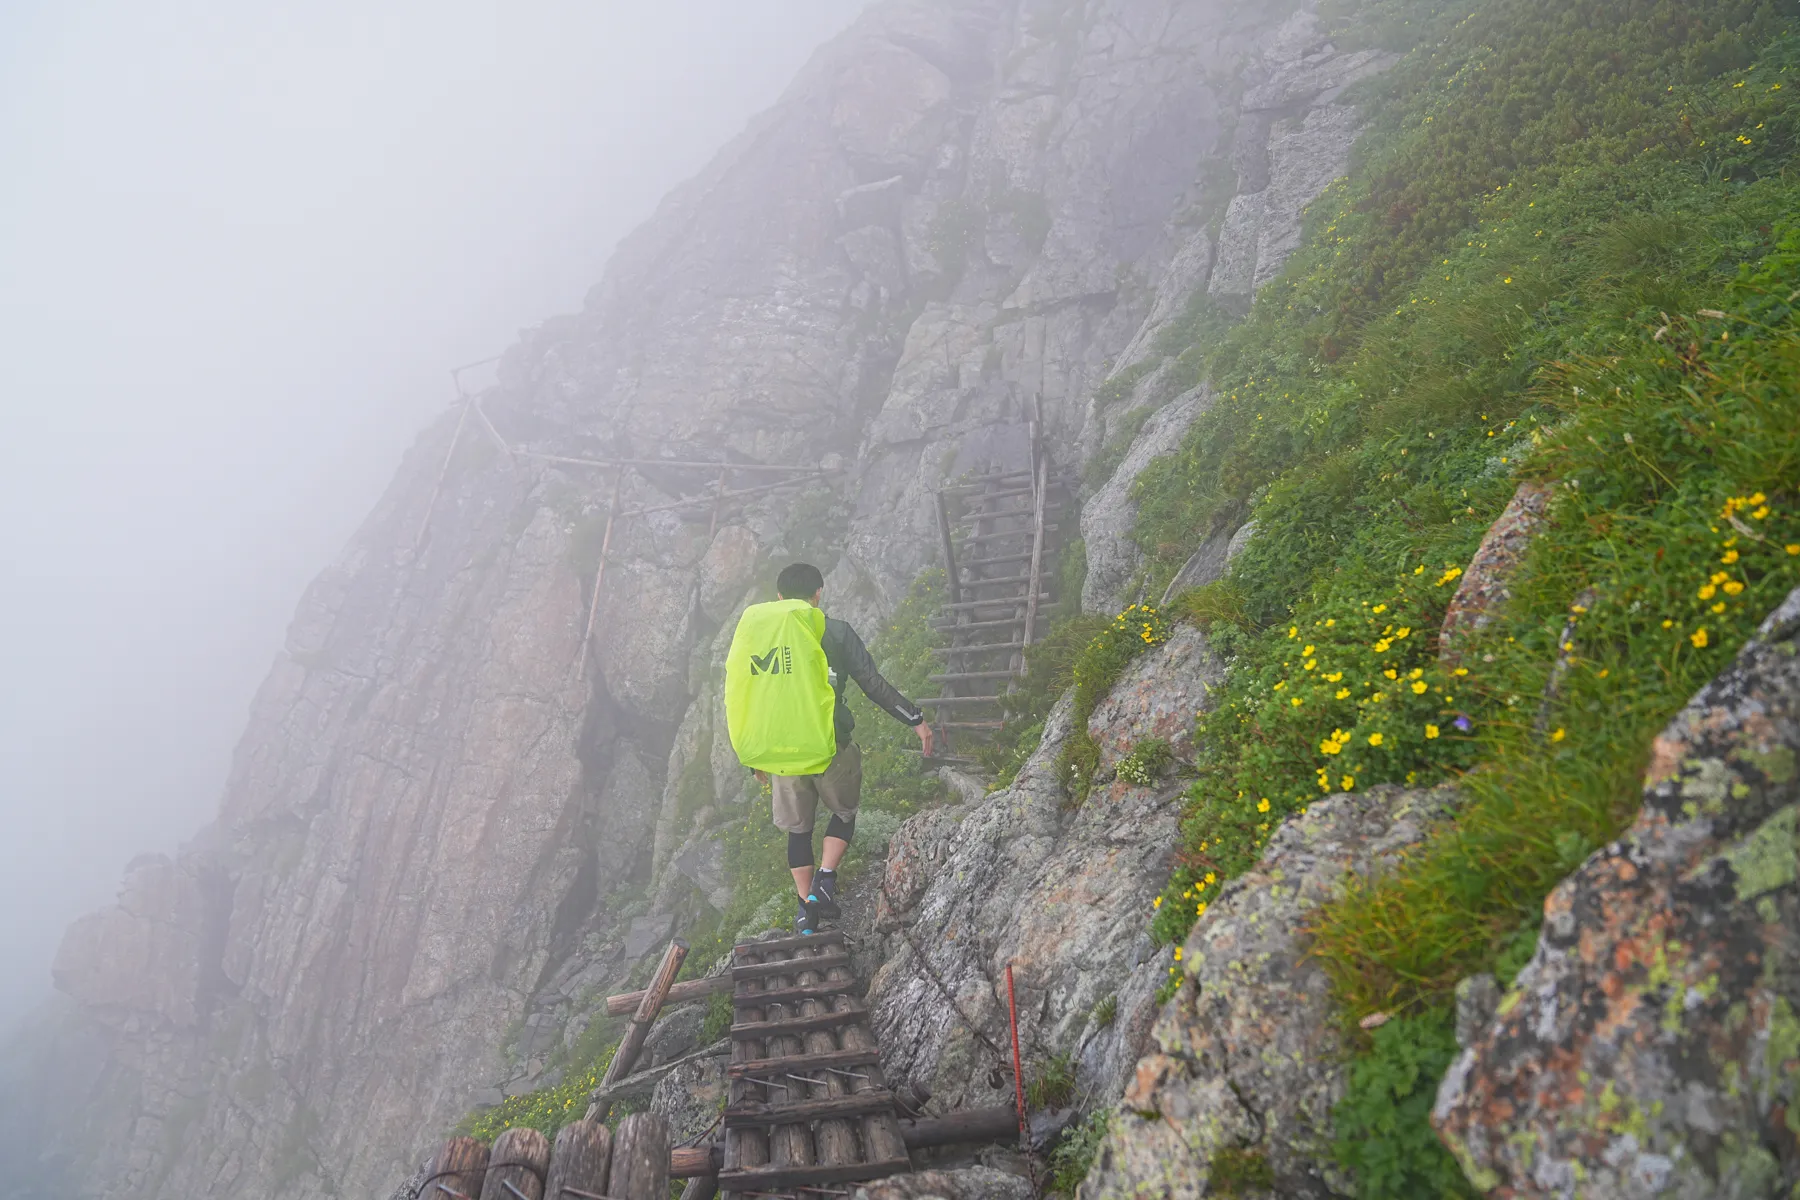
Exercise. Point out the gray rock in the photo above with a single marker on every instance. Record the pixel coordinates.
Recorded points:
(648, 934)
(967, 1183)
(1476, 999)
(676, 1034)
(1650, 1046)
(1248, 1054)
(691, 1095)
(1108, 516)
(1023, 877)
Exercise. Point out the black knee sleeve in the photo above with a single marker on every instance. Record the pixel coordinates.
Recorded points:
(800, 849)
(840, 828)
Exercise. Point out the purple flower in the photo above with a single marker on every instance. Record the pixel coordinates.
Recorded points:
(1463, 723)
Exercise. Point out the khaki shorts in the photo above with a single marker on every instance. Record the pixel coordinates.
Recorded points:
(797, 797)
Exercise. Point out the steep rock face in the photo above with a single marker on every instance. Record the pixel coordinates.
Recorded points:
(1651, 1046)
(1248, 1057)
(1061, 893)
(441, 820)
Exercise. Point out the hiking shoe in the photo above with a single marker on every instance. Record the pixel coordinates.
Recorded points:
(803, 920)
(823, 900)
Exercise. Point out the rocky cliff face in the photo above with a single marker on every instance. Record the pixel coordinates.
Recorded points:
(442, 821)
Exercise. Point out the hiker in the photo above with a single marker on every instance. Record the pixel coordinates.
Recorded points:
(785, 711)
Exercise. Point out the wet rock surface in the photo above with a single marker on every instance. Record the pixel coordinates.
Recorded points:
(1248, 1057)
(1651, 1045)
(1060, 892)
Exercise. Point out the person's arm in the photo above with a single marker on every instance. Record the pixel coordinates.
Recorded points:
(860, 666)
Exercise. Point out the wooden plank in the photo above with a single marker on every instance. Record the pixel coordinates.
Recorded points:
(834, 1138)
(772, 1178)
(625, 1057)
(690, 1162)
(940, 701)
(880, 1133)
(787, 966)
(998, 623)
(640, 1161)
(579, 1159)
(745, 1148)
(997, 1124)
(521, 1159)
(999, 602)
(1037, 552)
(971, 563)
(1004, 533)
(681, 993)
(587, 634)
(825, 937)
(943, 515)
(791, 995)
(954, 676)
(835, 1059)
(456, 1170)
(855, 1105)
(974, 725)
(830, 1020)
(1003, 494)
(980, 649)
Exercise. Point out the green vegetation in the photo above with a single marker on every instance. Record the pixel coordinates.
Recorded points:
(1050, 1083)
(1566, 255)
(1145, 765)
(1106, 1011)
(545, 1110)
(1383, 1134)
(1075, 1153)
(1235, 1171)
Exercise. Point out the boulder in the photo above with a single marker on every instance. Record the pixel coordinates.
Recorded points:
(1484, 586)
(1651, 1046)
(1248, 1056)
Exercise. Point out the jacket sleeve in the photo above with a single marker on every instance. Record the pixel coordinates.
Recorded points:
(861, 668)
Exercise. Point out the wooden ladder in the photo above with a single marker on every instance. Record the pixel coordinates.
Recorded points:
(999, 533)
(808, 1105)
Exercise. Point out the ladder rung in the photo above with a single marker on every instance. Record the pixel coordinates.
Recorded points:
(998, 602)
(806, 1062)
(948, 650)
(1006, 533)
(1008, 494)
(943, 701)
(788, 966)
(993, 562)
(953, 676)
(993, 624)
(971, 725)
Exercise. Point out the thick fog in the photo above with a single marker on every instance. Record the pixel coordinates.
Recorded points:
(241, 244)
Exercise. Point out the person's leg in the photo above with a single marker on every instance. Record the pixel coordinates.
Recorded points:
(795, 803)
(840, 788)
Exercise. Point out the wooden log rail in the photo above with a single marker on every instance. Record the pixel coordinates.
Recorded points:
(586, 1162)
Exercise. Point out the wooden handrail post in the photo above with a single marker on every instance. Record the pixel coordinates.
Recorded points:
(640, 1168)
(517, 1165)
(658, 991)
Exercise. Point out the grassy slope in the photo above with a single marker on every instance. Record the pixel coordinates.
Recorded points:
(1510, 285)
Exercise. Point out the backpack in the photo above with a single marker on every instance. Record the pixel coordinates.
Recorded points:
(778, 695)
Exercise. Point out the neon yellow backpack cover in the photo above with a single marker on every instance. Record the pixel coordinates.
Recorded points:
(778, 697)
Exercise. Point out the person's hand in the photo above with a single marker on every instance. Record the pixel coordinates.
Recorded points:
(923, 729)
(762, 777)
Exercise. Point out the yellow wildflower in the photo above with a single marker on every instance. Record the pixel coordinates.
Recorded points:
(1707, 591)
(1262, 805)
(1431, 730)
(1729, 557)
(1733, 588)
(1559, 735)
(1375, 739)
(1420, 687)
(1698, 637)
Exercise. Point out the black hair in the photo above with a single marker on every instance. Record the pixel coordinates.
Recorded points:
(798, 581)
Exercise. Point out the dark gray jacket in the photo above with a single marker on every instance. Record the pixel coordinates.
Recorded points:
(848, 658)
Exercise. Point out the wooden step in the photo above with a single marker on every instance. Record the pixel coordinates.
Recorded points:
(970, 725)
(1017, 622)
(823, 1061)
(946, 701)
(793, 995)
(1004, 533)
(789, 966)
(826, 937)
(858, 1104)
(747, 1030)
(981, 649)
(772, 1178)
(954, 676)
(1003, 560)
(964, 605)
